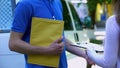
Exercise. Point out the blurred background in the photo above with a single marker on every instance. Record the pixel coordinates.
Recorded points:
(84, 22)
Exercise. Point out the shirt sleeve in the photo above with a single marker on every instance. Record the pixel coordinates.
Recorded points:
(111, 45)
(21, 18)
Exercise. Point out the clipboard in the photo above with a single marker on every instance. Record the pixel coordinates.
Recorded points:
(85, 45)
(43, 33)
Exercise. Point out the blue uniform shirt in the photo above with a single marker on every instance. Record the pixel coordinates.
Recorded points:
(26, 9)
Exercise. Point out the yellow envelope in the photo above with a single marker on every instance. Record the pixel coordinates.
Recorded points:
(43, 33)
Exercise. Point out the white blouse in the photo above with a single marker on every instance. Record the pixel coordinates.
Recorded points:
(110, 58)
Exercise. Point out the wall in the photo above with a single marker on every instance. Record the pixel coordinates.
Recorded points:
(9, 59)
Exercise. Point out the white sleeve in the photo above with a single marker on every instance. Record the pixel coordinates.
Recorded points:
(111, 45)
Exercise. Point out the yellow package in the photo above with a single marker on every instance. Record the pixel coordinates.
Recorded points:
(43, 33)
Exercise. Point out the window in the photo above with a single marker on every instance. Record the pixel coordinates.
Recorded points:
(67, 17)
(6, 14)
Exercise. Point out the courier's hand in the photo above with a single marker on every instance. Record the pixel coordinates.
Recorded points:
(56, 47)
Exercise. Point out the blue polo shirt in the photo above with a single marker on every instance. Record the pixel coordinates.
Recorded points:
(25, 10)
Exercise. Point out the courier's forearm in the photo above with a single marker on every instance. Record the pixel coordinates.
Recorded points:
(74, 50)
(18, 45)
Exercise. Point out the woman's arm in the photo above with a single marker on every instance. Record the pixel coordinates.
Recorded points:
(111, 45)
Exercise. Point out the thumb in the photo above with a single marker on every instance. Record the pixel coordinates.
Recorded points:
(58, 40)
(90, 48)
